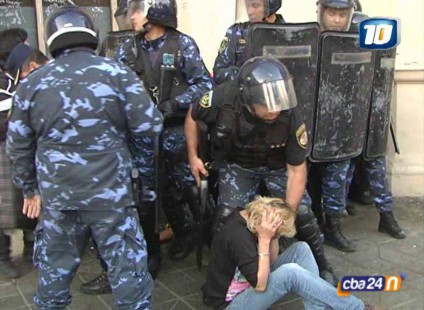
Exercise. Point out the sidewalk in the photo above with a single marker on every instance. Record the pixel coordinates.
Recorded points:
(178, 283)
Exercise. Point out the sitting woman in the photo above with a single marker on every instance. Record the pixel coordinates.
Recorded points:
(246, 272)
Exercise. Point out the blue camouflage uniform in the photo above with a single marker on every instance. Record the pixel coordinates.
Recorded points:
(232, 51)
(68, 139)
(375, 171)
(192, 80)
(333, 185)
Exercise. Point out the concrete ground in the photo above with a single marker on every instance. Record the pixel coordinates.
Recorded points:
(178, 283)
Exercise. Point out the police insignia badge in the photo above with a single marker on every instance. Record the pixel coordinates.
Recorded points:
(206, 100)
(302, 136)
(224, 44)
(168, 59)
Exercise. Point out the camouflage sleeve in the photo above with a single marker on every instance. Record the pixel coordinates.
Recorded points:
(122, 54)
(225, 67)
(144, 122)
(298, 146)
(21, 145)
(197, 75)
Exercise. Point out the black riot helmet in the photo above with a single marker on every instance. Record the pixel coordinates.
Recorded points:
(259, 10)
(164, 13)
(69, 27)
(343, 9)
(274, 6)
(265, 81)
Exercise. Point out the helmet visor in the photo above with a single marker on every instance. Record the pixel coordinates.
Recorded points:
(139, 6)
(276, 96)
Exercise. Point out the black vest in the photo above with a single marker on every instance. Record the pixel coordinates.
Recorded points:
(241, 138)
(162, 81)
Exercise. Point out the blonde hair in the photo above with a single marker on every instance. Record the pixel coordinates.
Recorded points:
(256, 208)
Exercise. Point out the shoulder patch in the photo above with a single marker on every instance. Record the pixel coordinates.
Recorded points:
(206, 101)
(302, 136)
(224, 45)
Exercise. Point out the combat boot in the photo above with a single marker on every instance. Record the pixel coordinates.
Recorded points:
(333, 235)
(390, 226)
(181, 247)
(99, 285)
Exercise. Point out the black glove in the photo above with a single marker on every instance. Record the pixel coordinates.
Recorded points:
(168, 108)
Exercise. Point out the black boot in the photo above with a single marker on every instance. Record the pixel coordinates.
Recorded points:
(7, 268)
(99, 285)
(308, 231)
(179, 217)
(333, 235)
(181, 247)
(390, 226)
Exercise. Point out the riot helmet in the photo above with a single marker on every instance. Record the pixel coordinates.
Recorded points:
(164, 13)
(69, 27)
(335, 15)
(266, 86)
(357, 18)
(258, 10)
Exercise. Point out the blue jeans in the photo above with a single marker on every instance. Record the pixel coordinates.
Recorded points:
(295, 271)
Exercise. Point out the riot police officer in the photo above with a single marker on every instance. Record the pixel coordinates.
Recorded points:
(333, 15)
(69, 141)
(232, 51)
(258, 136)
(172, 70)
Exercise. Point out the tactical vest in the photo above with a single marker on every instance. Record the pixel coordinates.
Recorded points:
(240, 138)
(162, 81)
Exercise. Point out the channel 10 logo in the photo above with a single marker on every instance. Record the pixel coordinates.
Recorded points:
(369, 284)
(379, 33)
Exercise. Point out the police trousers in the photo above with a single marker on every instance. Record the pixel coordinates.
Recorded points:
(61, 237)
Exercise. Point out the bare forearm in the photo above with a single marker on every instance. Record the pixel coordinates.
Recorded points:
(192, 140)
(296, 184)
(264, 263)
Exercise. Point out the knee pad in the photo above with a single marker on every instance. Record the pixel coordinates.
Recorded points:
(306, 225)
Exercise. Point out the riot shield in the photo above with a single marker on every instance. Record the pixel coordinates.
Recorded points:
(296, 46)
(344, 90)
(113, 40)
(379, 120)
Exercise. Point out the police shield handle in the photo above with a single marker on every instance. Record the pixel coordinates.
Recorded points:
(32, 207)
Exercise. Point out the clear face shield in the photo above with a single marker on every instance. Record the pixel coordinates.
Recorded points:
(137, 12)
(268, 99)
(334, 19)
(257, 10)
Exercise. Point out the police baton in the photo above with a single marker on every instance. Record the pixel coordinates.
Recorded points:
(203, 191)
(392, 133)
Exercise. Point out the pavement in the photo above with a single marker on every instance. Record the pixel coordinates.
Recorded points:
(178, 284)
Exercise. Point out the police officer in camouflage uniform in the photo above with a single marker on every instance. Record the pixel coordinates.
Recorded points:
(374, 171)
(69, 141)
(231, 54)
(333, 15)
(172, 70)
(258, 136)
